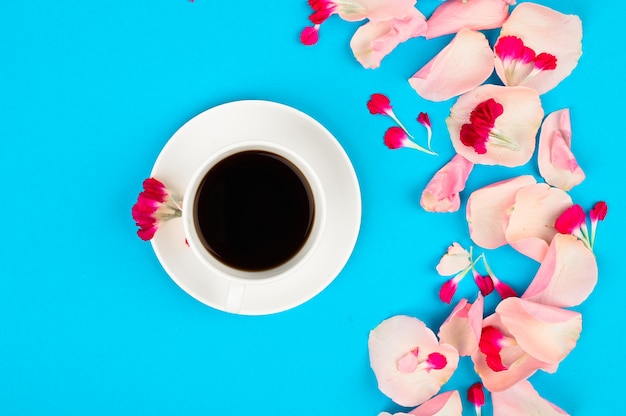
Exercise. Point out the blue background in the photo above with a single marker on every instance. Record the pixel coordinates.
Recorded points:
(91, 324)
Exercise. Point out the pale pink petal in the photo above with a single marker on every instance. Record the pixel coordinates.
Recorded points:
(522, 400)
(519, 364)
(455, 260)
(531, 224)
(465, 63)
(463, 327)
(390, 342)
(567, 274)
(489, 208)
(547, 333)
(557, 164)
(377, 38)
(454, 15)
(444, 404)
(355, 10)
(517, 125)
(544, 31)
(442, 192)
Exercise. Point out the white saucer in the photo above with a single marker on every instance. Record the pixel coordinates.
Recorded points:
(241, 121)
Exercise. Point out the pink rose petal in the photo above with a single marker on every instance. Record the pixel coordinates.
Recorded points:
(489, 208)
(531, 224)
(511, 140)
(557, 164)
(444, 404)
(567, 274)
(465, 63)
(391, 341)
(454, 15)
(356, 10)
(455, 260)
(377, 38)
(547, 31)
(463, 327)
(519, 364)
(442, 192)
(545, 332)
(522, 400)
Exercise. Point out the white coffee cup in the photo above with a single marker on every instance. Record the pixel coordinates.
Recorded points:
(239, 279)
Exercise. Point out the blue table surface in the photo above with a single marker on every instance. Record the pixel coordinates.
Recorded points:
(90, 324)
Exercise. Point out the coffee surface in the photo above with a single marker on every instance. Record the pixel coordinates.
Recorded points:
(254, 210)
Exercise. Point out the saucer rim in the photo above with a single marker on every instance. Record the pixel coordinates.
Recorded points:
(331, 267)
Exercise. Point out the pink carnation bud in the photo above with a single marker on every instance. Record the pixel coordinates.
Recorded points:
(448, 289)
(436, 361)
(504, 290)
(599, 211)
(395, 138)
(154, 206)
(379, 104)
(424, 120)
(570, 220)
(476, 394)
(491, 343)
(484, 283)
(310, 35)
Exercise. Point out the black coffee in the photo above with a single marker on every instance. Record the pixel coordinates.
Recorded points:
(254, 210)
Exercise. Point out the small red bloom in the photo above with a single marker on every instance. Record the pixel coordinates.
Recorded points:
(154, 206)
(310, 35)
(424, 120)
(570, 220)
(322, 10)
(379, 104)
(599, 211)
(491, 343)
(447, 291)
(436, 361)
(545, 62)
(484, 283)
(521, 62)
(476, 396)
(477, 132)
(395, 138)
(504, 290)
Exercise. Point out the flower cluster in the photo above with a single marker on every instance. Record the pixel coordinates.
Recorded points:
(525, 334)
(155, 205)
(536, 48)
(398, 136)
(458, 262)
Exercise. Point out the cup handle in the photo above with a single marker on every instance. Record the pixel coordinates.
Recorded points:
(234, 297)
